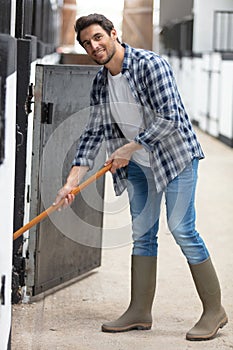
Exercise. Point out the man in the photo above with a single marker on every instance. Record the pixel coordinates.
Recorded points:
(136, 108)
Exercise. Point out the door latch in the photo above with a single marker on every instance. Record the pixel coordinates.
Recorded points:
(29, 102)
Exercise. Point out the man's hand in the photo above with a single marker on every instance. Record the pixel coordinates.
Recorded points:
(121, 157)
(74, 178)
(64, 194)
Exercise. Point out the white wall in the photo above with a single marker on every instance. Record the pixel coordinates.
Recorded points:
(7, 177)
(204, 21)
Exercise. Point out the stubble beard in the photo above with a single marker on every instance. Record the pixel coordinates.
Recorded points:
(108, 59)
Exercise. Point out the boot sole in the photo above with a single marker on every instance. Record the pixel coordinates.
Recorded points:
(209, 336)
(136, 326)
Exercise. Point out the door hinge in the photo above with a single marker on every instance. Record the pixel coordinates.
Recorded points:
(29, 102)
(3, 289)
(46, 113)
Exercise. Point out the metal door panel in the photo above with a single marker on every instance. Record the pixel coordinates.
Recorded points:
(68, 243)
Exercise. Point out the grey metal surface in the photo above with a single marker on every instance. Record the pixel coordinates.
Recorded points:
(68, 243)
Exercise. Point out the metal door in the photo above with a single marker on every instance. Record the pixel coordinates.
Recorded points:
(68, 243)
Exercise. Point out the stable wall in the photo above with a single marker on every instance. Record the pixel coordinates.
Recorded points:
(206, 86)
(7, 181)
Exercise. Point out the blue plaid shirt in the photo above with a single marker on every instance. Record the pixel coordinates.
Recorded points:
(168, 135)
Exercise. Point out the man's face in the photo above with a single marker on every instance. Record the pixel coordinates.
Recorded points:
(98, 44)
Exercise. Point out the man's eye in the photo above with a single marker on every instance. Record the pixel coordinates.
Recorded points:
(98, 37)
(86, 44)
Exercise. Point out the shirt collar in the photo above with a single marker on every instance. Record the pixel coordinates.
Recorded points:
(126, 61)
(127, 57)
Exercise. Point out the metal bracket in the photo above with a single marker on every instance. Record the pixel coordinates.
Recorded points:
(46, 113)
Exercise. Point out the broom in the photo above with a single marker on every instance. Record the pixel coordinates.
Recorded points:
(53, 208)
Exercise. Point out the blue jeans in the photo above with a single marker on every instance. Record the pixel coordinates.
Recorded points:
(145, 204)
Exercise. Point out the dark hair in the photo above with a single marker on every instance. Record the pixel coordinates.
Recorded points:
(85, 21)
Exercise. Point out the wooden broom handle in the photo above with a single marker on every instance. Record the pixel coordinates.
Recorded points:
(53, 208)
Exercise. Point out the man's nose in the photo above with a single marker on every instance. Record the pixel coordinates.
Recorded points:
(94, 44)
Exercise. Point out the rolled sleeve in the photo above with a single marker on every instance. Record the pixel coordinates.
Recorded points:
(83, 162)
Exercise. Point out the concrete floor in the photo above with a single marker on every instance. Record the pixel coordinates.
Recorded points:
(71, 318)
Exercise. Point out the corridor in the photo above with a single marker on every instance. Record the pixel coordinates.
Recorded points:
(71, 318)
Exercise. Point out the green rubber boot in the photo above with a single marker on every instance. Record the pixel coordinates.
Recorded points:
(208, 288)
(143, 281)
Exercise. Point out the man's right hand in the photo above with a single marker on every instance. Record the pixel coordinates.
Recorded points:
(65, 195)
(74, 178)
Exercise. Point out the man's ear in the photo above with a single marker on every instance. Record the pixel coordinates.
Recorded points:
(114, 34)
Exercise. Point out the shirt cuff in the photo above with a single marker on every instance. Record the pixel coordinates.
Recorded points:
(139, 139)
(83, 162)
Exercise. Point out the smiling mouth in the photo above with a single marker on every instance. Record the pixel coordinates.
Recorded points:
(99, 53)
